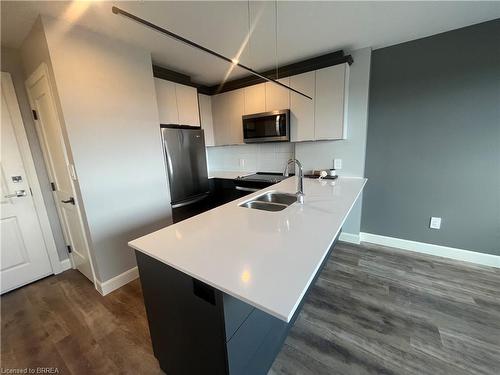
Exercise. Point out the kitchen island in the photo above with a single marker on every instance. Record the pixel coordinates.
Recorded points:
(223, 288)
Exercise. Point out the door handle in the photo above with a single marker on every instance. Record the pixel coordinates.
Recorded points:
(16, 194)
(70, 200)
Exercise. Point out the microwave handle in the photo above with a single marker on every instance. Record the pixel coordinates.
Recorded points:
(278, 125)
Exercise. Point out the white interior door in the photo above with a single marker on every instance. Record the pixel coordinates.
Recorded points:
(24, 256)
(60, 171)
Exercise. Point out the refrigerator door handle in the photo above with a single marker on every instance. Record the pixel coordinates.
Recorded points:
(190, 201)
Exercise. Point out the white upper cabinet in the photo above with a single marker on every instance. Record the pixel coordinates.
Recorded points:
(302, 108)
(322, 118)
(227, 110)
(255, 99)
(205, 102)
(177, 104)
(187, 105)
(167, 101)
(330, 102)
(277, 97)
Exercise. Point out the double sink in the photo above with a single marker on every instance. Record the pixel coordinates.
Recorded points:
(271, 201)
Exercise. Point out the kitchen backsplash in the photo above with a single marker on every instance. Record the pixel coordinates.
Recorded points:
(265, 157)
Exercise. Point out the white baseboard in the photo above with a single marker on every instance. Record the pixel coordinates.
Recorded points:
(437, 250)
(116, 282)
(349, 237)
(65, 265)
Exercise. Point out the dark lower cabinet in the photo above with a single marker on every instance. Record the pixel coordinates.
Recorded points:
(186, 320)
(197, 329)
(193, 209)
(223, 191)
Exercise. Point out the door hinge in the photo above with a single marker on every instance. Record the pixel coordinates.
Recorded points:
(35, 115)
(53, 186)
(69, 249)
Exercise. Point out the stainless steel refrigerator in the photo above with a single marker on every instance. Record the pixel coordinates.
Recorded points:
(186, 164)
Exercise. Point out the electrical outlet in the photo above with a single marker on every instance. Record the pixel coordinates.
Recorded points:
(337, 163)
(242, 162)
(435, 223)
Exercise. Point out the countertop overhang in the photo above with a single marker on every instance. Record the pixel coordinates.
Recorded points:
(266, 259)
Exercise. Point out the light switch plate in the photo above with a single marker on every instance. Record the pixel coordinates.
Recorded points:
(242, 162)
(337, 163)
(435, 223)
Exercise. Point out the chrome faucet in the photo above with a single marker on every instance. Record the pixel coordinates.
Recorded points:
(300, 179)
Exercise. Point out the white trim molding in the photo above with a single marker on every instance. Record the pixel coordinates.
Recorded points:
(116, 282)
(431, 249)
(65, 264)
(350, 237)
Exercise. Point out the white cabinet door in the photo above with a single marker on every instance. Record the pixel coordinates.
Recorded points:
(302, 108)
(330, 102)
(255, 99)
(187, 105)
(227, 109)
(205, 102)
(277, 97)
(167, 101)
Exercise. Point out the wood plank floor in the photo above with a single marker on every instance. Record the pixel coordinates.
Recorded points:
(373, 310)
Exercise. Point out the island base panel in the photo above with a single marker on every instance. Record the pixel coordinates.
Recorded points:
(197, 329)
(187, 331)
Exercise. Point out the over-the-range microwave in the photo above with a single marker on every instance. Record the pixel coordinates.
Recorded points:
(271, 126)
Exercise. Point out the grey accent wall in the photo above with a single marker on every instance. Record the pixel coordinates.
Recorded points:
(320, 155)
(434, 140)
(11, 63)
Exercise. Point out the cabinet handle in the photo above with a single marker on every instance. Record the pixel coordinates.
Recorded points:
(204, 291)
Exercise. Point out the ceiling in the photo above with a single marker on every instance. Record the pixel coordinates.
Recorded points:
(305, 29)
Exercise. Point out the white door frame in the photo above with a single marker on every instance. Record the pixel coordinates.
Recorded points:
(29, 166)
(37, 74)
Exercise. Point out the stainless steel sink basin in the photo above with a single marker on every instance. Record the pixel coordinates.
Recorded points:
(276, 197)
(265, 206)
(272, 201)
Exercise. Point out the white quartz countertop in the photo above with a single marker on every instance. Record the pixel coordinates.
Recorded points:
(267, 259)
(230, 175)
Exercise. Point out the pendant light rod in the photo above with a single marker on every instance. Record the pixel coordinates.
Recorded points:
(170, 34)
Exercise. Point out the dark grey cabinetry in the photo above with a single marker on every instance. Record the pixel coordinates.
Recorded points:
(198, 329)
(223, 191)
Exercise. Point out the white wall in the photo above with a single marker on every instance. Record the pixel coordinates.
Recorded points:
(108, 103)
(265, 157)
(11, 62)
(320, 155)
